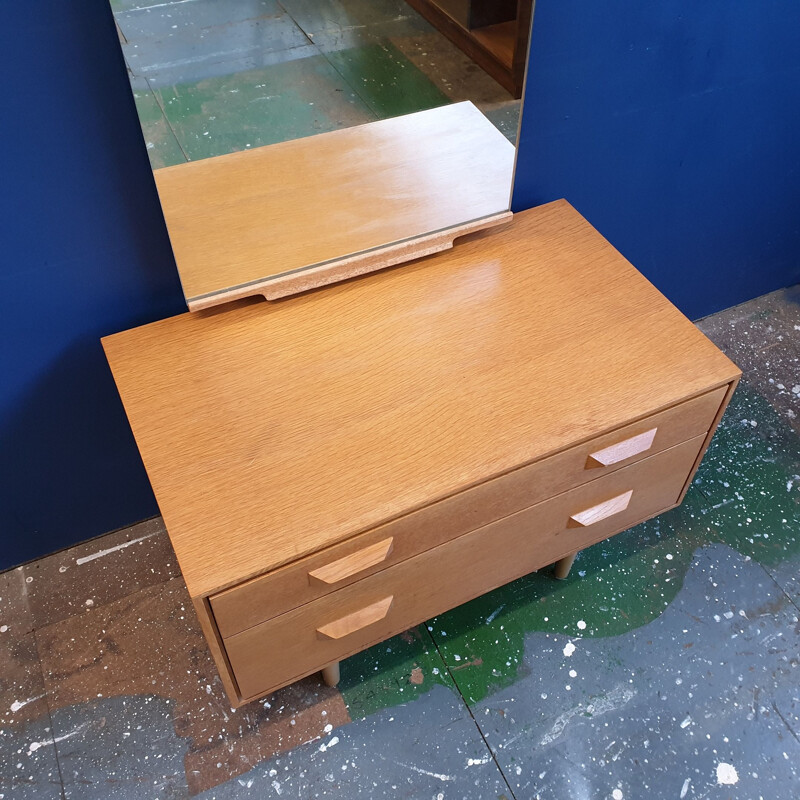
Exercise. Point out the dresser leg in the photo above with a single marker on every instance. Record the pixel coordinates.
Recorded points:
(563, 566)
(330, 675)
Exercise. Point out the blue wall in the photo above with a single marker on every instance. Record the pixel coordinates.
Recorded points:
(84, 253)
(674, 128)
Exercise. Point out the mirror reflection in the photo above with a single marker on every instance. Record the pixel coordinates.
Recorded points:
(214, 78)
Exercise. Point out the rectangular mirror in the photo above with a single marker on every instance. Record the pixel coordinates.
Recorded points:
(301, 142)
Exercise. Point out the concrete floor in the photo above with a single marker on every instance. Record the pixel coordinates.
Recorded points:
(214, 76)
(665, 667)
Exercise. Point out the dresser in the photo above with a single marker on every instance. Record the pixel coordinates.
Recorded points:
(336, 467)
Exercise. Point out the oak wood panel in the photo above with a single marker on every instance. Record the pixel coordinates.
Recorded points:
(357, 620)
(268, 595)
(274, 430)
(608, 508)
(499, 39)
(505, 61)
(259, 214)
(623, 450)
(728, 394)
(340, 269)
(352, 565)
(216, 648)
(285, 648)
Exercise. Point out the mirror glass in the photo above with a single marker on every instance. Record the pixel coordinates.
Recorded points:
(214, 79)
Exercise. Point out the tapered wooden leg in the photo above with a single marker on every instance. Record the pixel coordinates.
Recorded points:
(330, 675)
(563, 566)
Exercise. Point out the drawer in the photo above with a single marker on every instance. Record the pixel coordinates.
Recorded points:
(307, 579)
(301, 641)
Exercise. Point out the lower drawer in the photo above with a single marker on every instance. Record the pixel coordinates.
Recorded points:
(299, 642)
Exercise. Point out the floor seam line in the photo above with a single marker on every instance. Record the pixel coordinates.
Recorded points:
(783, 591)
(717, 539)
(472, 716)
(49, 715)
(166, 118)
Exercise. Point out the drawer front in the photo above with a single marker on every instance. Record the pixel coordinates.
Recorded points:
(307, 579)
(294, 644)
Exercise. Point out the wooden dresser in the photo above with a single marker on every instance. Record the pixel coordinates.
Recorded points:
(336, 467)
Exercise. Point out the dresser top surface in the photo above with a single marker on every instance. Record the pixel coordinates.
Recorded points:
(272, 430)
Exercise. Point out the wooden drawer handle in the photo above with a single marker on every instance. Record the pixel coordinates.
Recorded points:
(354, 563)
(601, 511)
(622, 450)
(357, 620)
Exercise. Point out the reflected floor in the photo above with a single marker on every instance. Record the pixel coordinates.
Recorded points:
(212, 76)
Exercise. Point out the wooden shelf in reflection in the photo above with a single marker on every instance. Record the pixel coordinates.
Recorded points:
(292, 216)
(493, 33)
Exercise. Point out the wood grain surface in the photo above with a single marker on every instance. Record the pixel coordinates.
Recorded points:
(258, 214)
(273, 430)
(289, 586)
(287, 647)
(342, 269)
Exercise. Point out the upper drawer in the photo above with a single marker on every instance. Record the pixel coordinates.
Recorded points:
(266, 596)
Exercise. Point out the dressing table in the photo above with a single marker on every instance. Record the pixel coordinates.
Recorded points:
(338, 466)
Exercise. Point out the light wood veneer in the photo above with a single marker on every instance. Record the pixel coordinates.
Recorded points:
(317, 457)
(288, 217)
(294, 644)
(294, 584)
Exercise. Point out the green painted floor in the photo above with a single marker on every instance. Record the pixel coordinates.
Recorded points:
(216, 76)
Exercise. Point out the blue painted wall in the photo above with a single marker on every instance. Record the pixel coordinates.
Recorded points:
(84, 253)
(674, 127)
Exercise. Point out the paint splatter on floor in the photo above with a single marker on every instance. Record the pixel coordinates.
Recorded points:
(666, 666)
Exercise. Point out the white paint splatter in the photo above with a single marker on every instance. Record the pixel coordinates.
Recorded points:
(617, 794)
(573, 673)
(685, 787)
(101, 553)
(330, 743)
(34, 746)
(569, 649)
(581, 625)
(616, 698)
(18, 704)
(438, 775)
(474, 762)
(686, 723)
(727, 774)
(328, 728)
(276, 785)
